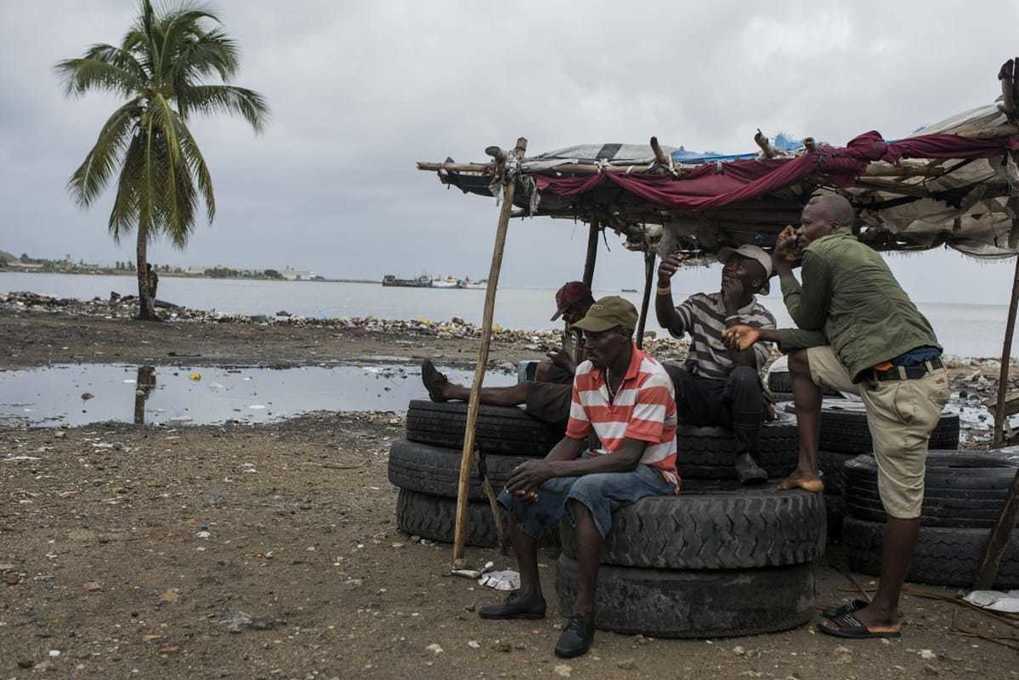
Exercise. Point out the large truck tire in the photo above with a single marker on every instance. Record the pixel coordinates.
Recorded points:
(695, 604)
(943, 556)
(436, 471)
(740, 529)
(507, 431)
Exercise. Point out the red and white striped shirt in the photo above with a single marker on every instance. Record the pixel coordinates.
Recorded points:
(644, 408)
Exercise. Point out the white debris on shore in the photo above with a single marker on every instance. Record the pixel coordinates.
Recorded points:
(455, 328)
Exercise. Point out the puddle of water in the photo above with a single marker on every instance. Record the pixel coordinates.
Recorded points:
(80, 394)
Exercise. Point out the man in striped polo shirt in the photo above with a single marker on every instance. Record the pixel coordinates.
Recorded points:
(626, 399)
(719, 386)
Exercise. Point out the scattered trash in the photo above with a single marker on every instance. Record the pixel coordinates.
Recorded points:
(927, 655)
(434, 649)
(196, 376)
(238, 621)
(995, 600)
(473, 573)
(501, 580)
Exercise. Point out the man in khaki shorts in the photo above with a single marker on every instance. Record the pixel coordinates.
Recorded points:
(859, 332)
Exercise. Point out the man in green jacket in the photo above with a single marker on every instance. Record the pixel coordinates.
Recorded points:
(859, 332)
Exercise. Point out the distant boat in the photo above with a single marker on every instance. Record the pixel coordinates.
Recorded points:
(467, 283)
(423, 281)
(447, 282)
(629, 290)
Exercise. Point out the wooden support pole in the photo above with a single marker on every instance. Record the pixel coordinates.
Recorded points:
(987, 572)
(649, 280)
(460, 530)
(592, 252)
(1006, 360)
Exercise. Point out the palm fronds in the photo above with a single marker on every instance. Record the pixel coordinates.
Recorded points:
(162, 66)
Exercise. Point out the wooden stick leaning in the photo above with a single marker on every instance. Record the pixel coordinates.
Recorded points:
(987, 570)
(649, 273)
(1006, 355)
(460, 530)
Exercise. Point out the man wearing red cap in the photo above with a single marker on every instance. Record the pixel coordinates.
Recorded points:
(548, 397)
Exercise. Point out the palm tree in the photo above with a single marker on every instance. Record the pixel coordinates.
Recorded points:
(160, 68)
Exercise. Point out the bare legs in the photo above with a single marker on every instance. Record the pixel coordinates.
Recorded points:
(525, 549)
(807, 398)
(900, 538)
(440, 389)
(490, 396)
(589, 542)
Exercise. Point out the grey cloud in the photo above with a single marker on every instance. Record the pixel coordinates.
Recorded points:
(360, 91)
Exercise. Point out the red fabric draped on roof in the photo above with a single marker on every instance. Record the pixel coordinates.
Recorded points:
(710, 185)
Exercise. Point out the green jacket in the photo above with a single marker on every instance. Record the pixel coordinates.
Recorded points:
(850, 299)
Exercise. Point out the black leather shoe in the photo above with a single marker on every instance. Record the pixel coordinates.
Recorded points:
(434, 381)
(576, 638)
(515, 607)
(748, 471)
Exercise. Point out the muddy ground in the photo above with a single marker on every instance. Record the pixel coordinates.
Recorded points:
(271, 551)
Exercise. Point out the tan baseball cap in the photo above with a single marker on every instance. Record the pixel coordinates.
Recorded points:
(753, 253)
(607, 313)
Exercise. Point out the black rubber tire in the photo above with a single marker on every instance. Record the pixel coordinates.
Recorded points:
(501, 430)
(710, 452)
(830, 463)
(943, 556)
(962, 489)
(740, 529)
(835, 507)
(436, 471)
(434, 517)
(846, 431)
(695, 604)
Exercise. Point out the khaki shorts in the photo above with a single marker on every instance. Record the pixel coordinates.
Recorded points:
(901, 415)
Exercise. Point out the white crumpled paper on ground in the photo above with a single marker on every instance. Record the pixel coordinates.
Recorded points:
(501, 580)
(995, 600)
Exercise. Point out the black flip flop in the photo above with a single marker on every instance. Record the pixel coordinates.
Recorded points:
(850, 627)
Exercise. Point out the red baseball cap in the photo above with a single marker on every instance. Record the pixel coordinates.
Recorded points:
(570, 294)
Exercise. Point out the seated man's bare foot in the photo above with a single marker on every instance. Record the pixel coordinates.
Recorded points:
(435, 382)
(799, 479)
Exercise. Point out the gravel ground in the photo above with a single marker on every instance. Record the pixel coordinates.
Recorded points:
(271, 551)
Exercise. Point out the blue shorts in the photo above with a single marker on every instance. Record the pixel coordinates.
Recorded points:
(601, 493)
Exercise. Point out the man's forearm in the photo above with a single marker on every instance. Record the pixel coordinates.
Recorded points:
(567, 449)
(665, 310)
(620, 461)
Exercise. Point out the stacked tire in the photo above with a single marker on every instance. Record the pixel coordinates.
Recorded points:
(715, 561)
(844, 434)
(705, 564)
(425, 466)
(964, 493)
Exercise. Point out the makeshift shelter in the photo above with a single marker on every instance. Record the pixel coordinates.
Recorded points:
(954, 183)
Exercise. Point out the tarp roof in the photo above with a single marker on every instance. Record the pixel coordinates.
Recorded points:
(953, 183)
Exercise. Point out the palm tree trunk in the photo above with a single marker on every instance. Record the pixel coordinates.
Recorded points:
(146, 311)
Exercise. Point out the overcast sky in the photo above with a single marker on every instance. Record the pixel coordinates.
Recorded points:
(360, 91)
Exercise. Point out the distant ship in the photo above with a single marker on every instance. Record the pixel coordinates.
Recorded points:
(426, 281)
(423, 281)
(629, 290)
(447, 282)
